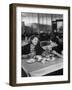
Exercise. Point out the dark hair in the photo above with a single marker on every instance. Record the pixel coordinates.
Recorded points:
(33, 36)
(38, 48)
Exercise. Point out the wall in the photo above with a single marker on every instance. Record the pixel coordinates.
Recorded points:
(4, 45)
(44, 19)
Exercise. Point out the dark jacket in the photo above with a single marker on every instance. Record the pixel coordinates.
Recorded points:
(26, 49)
(59, 46)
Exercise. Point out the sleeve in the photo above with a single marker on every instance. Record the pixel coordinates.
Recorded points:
(39, 51)
(57, 49)
(25, 49)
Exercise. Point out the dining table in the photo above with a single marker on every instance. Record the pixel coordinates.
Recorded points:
(39, 69)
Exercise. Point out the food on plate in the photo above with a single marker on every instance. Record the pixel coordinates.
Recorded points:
(31, 61)
(38, 57)
(43, 60)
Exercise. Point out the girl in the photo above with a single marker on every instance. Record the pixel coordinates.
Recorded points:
(33, 48)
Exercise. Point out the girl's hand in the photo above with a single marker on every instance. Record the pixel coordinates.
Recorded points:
(46, 52)
(49, 47)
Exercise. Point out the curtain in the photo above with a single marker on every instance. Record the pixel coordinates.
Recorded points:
(29, 18)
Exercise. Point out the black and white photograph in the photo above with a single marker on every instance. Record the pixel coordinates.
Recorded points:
(41, 44)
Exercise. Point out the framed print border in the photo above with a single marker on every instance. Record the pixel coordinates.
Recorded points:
(12, 62)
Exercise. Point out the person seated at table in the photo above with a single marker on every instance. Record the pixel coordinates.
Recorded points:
(33, 48)
(58, 48)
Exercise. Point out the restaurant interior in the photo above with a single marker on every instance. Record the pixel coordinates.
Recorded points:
(47, 26)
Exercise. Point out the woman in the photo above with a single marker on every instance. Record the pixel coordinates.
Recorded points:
(58, 49)
(33, 48)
